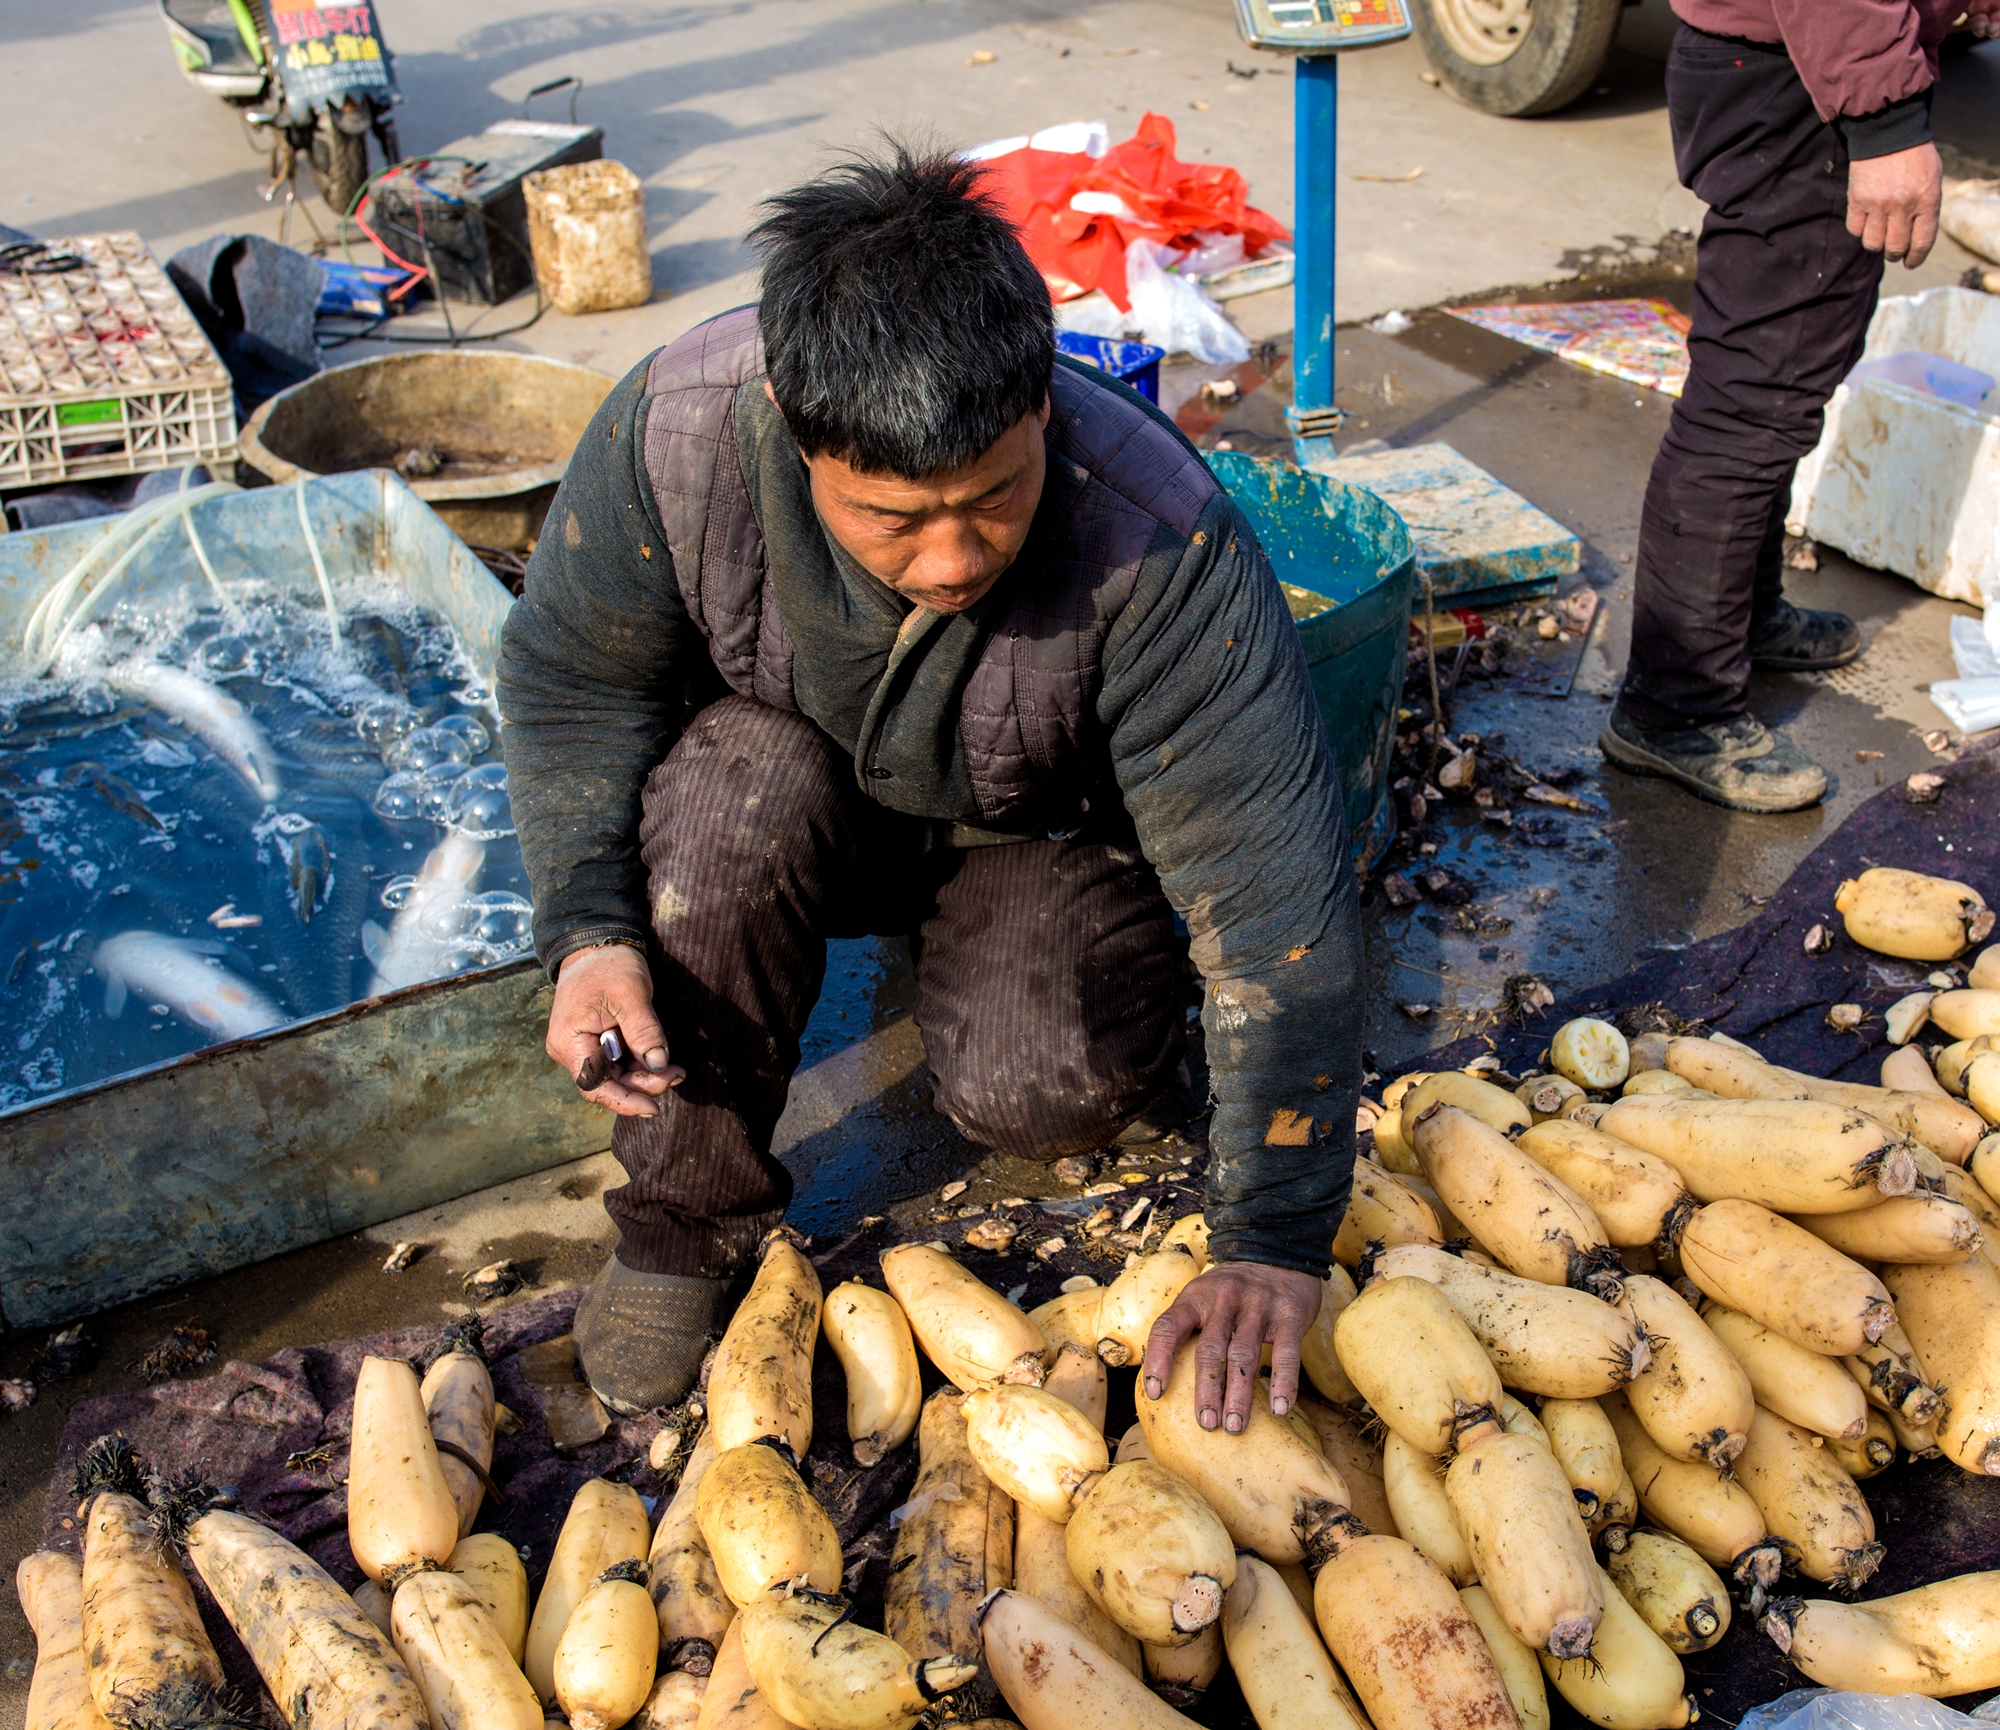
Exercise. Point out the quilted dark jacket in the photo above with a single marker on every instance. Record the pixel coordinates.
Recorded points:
(1138, 650)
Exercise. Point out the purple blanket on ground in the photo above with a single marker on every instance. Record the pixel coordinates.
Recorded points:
(243, 1424)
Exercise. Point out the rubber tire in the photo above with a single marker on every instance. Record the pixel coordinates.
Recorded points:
(1558, 60)
(339, 163)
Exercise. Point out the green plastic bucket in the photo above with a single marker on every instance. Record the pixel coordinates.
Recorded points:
(1348, 569)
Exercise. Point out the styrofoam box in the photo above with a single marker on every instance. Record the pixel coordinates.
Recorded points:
(1904, 480)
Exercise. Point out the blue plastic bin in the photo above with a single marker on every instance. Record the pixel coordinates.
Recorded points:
(1135, 363)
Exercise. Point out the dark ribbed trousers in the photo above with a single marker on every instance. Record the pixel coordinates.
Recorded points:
(1046, 971)
(1782, 298)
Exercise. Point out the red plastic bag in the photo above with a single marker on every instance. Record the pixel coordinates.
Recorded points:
(1141, 190)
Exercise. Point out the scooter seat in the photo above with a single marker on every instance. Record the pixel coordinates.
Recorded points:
(209, 27)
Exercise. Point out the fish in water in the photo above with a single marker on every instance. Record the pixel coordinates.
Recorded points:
(120, 795)
(213, 716)
(415, 946)
(311, 863)
(380, 651)
(173, 971)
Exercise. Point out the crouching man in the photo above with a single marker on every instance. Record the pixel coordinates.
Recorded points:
(860, 611)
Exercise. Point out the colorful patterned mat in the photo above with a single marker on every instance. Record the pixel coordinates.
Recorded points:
(1643, 342)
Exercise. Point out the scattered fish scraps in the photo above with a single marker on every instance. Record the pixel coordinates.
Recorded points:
(17, 1394)
(1075, 1168)
(1845, 1017)
(186, 1346)
(495, 1279)
(981, 57)
(952, 1191)
(65, 1355)
(226, 918)
(1388, 179)
(1541, 793)
(1923, 788)
(401, 1257)
(1050, 1247)
(1076, 1282)
(1819, 940)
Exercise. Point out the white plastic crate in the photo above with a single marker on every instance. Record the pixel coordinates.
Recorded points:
(1905, 480)
(103, 370)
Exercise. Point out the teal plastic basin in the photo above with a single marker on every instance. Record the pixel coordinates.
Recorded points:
(1348, 569)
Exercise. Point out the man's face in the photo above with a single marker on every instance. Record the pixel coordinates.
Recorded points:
(945, 541)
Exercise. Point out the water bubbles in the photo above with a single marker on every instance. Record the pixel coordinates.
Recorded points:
(399, 800)
(227, 656)
(475, 736)
(443, 918)
(479, 807)
(503, 921)
(291, 823)
(383, 721)
(434, 790)
(426, 748)
(461, 954)
(473, 696)
(397, 891)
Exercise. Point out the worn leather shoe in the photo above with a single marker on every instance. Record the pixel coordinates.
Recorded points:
(1800, 640)
(640, 1337)
(1740, 763)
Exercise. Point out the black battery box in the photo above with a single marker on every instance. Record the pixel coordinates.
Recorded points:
(464, 204)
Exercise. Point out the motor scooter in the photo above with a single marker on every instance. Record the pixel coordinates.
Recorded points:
(310, 80)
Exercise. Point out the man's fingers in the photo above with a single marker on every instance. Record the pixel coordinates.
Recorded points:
(1288, 1329)
(1211, 1358)
(616, 1095)
(1157, 1367)
(1246, 1357)
(1923, 236)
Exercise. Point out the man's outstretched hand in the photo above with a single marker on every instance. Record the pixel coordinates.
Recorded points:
(1236, 1307)
(1892, 203)
(610, 990)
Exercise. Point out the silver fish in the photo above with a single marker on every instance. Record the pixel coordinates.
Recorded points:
(311, 864)
(203, 709)
(417, 945)
(171, 970)
(120, 795)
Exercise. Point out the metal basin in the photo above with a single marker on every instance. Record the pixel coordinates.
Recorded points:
(500, 428)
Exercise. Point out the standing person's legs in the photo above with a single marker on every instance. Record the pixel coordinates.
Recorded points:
(1048, 994)
(1783, 294)
(757, 847)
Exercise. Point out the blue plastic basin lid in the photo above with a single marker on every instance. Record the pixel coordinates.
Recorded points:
(1119, 359)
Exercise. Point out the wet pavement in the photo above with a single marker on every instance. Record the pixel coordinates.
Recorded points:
(1572, 897)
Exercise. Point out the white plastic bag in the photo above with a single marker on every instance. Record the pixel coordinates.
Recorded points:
(1829, 1709)
(1175, 313)
(1971, 702)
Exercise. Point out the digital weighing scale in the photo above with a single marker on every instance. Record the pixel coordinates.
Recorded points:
(1476, 540)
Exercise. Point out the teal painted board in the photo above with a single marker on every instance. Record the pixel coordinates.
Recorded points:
(1347, 566)
(1479, 542)
(246, 1149)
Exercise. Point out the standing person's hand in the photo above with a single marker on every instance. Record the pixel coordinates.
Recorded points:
(1237, 1306)
(1892, 201)
(610, 990)
(1982, 18)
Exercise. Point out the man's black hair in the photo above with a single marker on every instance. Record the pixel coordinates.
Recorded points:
(905, 327)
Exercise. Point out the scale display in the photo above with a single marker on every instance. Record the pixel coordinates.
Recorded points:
(1321, 26)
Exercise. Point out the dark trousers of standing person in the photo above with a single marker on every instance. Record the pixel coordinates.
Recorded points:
(1047, 975)
(1782, 298)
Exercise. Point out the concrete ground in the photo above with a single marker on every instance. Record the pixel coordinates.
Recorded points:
(715, 103)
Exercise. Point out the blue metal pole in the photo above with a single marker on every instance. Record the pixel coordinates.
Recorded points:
(1315, 114)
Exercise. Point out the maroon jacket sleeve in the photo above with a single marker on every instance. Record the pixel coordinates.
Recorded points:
(1868, 64)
